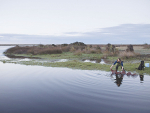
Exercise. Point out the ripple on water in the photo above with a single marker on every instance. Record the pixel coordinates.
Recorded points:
(67, 90)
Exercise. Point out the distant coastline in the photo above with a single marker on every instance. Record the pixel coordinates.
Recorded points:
(19, 45)
(59, 44)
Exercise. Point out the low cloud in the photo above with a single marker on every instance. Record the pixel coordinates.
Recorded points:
(123, 34)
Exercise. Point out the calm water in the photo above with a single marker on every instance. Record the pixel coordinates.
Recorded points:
(37, 89)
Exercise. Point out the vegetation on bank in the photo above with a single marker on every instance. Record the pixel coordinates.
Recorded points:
(75, 64)
(77, 48)
(78, 51)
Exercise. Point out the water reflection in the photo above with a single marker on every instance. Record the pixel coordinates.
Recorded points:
(34, 89)
(119, 76)
(101, 61)
(141, 78)
(119, 79)
(2, 49)
(22, 57)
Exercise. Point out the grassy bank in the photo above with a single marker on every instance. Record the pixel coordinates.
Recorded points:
(77, 52)
(74, 64)
(64, 55)
(94, 56)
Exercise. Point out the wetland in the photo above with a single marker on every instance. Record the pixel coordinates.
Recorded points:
(67, 82)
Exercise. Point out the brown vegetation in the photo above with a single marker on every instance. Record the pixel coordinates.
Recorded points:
(47, 49)
(125, 54)
(125, 51)
(34, 50)
(78, 48)
(130, 48)
(146, 46)
(78, 52)
(110, 50)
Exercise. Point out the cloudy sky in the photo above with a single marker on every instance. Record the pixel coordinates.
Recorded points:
(66, 21)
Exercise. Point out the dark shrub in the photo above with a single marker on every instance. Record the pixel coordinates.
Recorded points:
(78, 44)
(53, 45)
(63, 45)
(130, 48)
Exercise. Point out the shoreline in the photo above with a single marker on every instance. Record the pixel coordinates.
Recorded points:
(75, 54)
(75, 62)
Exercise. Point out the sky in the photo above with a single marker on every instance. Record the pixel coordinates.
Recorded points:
(66, 21)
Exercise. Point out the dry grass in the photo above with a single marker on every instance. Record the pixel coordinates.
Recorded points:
(142, 49)
(78, 52)
(65, 49)
(123, 48)
(146, 46)
(89, 50)
(125, 54)
(72, 49)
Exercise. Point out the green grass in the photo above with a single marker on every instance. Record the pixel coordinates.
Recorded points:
(132, 66)
(74, 64)
(65, 55)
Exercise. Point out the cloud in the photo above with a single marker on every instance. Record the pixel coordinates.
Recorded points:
(123, 34)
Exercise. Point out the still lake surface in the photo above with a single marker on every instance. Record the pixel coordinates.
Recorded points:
(37, 89)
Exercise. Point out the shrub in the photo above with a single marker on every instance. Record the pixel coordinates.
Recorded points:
(78, 44)
(33, 50)
(17, 50)
(53, 45)
(98, 47)
(130, 48)
(62, 45)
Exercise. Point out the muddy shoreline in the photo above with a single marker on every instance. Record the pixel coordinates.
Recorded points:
(21, 57)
